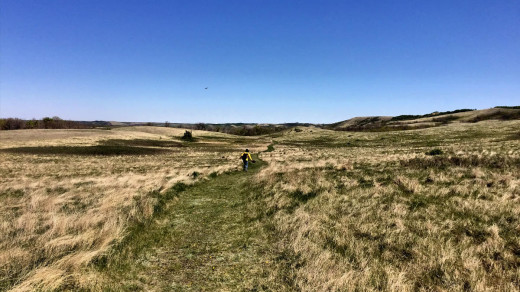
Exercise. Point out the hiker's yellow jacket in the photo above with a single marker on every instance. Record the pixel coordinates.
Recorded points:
(248, 156)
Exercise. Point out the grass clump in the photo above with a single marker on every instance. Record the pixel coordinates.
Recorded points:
(434, 152)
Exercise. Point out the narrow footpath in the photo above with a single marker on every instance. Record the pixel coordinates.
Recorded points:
(204, 240)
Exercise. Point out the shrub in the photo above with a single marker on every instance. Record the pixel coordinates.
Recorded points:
(32, 124)
(188, 136)
(508, 107)
(413, 117)
(504, 115)
(405, 117)
(47, 122)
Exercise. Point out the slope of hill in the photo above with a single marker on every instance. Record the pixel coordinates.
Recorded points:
(405, 122)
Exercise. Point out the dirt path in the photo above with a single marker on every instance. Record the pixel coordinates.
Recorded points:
(203, 241)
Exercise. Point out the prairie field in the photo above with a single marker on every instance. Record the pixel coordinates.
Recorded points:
(432, 209)
(67, 196)
(423, 210)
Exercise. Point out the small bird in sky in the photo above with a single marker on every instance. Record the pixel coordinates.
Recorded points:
(206, 88)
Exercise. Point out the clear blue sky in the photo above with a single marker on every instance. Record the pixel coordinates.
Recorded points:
(262, 60)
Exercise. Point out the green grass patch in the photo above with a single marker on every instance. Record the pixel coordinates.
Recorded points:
(201, 241)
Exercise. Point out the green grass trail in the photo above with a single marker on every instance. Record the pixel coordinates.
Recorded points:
(204, 240)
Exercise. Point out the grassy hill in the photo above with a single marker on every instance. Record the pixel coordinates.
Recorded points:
(371, 123)
(406, 122)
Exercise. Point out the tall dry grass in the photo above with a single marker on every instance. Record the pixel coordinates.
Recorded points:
(372, 211)
(59, 212)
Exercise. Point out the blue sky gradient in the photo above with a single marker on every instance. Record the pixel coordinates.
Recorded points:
(262, 61)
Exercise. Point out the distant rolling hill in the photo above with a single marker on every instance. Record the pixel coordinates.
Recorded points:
(406, 122)
(372, 123)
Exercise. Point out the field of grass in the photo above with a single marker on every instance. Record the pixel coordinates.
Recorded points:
(139, 209)
(68, 196)
(382, 211)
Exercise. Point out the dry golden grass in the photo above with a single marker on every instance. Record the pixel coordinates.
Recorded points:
(58, 212)
(346, 211)
(371, 211)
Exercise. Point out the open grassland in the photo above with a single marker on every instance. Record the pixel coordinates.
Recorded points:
(68, 196)
(421, 210)
(372, 211)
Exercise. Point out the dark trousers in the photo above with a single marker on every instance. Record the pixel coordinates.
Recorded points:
(245, 165)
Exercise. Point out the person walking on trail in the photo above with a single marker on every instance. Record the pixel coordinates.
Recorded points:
(246, 157)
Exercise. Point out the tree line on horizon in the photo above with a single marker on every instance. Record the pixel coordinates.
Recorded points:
(58, 123)
(241, 130)
(44, 123)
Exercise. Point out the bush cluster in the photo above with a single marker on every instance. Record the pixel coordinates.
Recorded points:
(45, 123)
(413, 117)
(238, 129)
